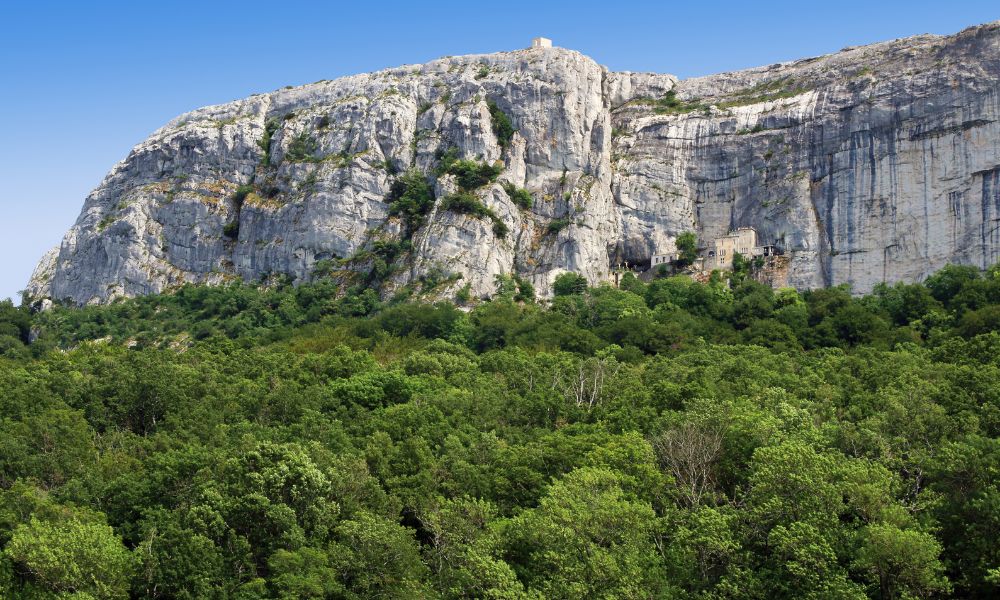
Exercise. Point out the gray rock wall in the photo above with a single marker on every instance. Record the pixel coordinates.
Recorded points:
(879, 163)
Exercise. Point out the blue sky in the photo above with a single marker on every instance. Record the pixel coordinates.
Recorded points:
(85, 81)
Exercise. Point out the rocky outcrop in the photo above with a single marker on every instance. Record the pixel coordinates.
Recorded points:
(878, 163)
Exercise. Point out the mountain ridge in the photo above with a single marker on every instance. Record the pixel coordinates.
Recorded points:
(827, 155)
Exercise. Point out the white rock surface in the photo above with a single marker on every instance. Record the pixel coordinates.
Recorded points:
(878, 163)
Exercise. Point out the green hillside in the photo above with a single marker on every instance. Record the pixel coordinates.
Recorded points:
(663, 440)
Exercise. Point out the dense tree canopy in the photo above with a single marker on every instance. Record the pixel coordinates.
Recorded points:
(668, 439)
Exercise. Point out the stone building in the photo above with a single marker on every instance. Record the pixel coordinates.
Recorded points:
(719, 255)
(541, 42)
(662, 259)
(742, 240)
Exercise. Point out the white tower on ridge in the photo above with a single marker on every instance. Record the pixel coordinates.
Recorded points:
(540, 42)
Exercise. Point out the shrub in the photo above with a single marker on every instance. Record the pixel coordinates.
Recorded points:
(670, 104)
(558, 225)
(472, 175)
(411, 197)
(270, 127)
(390, 250)
(241, 194)
(105, 222)
(502, 127)
(468, 204)
(783, 87)
(464, 295)
(755, 129)
(446, 157)
(232, 229)
(465, 203)
(301, 148)
(516, 288)
(323, 268)
(500, 228)
(518, 196)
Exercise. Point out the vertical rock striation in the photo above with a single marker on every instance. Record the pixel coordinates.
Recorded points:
(878, 163)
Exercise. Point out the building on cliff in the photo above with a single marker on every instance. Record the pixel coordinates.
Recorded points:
(662, 259)
(743, 240)
(719, 255)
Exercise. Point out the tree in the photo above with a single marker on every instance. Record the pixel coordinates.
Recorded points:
(606, 305)
(13, 348)
(753, 301)
(376, 557)
(795, 482)
(946, 283)
(568, 283)
(514, 288)
(963, 476)
(303, 573)
(587, 539)
(52, 447)
(178, 562)
(741, 267)
(463, 551)
(984, 320)
(689, 453)
(687, 248)
(771, 333)
(905, 303)
(624, 443)
(15, 321)
(493, 323)
(583, 381)
(630, 283)
(72, 556)
(805, 565)
(902, 563)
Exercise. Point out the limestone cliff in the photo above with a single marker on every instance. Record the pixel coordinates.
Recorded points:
(878, 163)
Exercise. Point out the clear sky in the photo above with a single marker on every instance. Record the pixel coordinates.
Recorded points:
(82, 82)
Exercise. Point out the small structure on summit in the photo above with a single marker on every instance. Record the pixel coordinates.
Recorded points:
(541, 42)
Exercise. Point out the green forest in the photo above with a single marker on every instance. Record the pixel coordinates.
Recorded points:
(669, 439)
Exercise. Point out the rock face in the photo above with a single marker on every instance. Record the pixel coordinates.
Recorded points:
(877, 163)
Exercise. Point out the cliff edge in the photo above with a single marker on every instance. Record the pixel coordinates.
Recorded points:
(877, 163)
